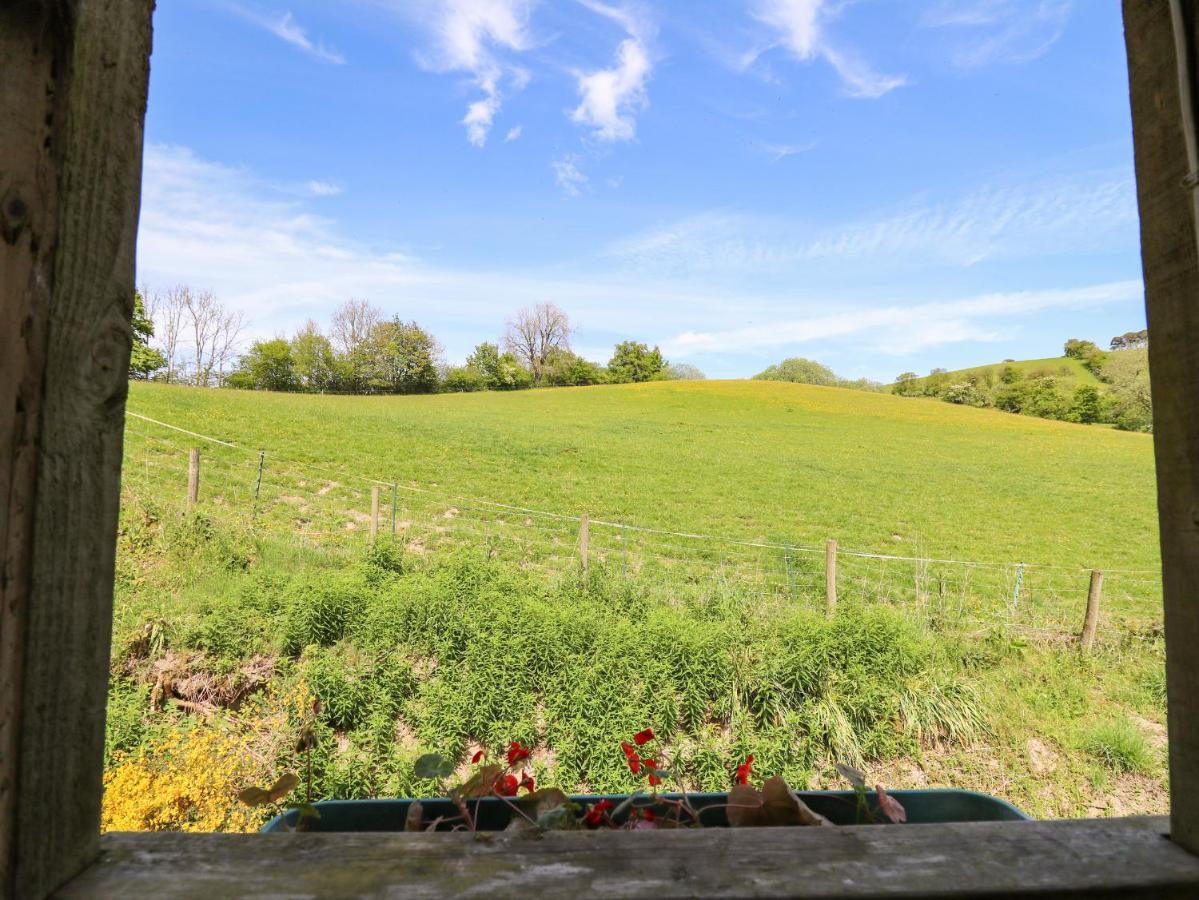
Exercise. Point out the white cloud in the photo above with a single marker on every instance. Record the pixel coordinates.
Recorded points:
(1031, 220)
(1001, 31)
(322, 188)
(513, 134)
(470, 36)
(258, 246)
(287, 29)
(900, 329)
(779, 152)
(609, 98)
(568, 175)
(800, 29)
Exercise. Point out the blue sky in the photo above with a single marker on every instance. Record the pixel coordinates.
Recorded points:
(883, 186)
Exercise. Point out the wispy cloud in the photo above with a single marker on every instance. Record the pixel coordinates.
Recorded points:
(1040, 219)
(779, 152)
(322, 188)
(471, 36)
(513, 134)
(287, 29)
(568, 175)
(610, 97)
(901, 329)
(1001, 31)
(800, 27)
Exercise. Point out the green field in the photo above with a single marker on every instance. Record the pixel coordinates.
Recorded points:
(473, 625)
(748, 460)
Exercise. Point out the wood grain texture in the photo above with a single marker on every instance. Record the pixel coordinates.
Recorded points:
(1112, 857)
(75, 79)
(1171, 270)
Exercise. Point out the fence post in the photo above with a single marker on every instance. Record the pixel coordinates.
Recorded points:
(193, 478)
(1092, 619)
(584, 540)
(258, 483)
(830, 576)
(395, 494)
(374, 511)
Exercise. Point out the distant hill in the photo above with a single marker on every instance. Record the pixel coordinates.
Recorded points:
(1098, 388)
(1070, 372)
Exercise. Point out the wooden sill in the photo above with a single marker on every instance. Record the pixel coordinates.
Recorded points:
(1130, 857)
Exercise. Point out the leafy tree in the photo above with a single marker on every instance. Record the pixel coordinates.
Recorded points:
(462, 379)
(1129, 402)
(1131, 340)
(1078, 349)
(354, 324)
(633, 361)
(1010, 375)
(964, 393)
(566, 369)
(315, 361)
(498, 371)
(266, 366)
(1085, 407)
(683, 372)
(1043, 397)
(404, 358)
(143, 360)
(800, 371)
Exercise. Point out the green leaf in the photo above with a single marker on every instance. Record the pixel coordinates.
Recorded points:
(256, 796)
(306, 810)
(434, 765)
(560, 818)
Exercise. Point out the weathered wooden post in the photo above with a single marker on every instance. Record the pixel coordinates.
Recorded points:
(193, 478)
(1092, 617)
(584, 540)
(374, 511)
(830, 577)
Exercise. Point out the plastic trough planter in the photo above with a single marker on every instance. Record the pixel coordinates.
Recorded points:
(840, 807)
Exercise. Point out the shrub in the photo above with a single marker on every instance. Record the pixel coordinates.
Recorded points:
(188, 781)
(318, 610)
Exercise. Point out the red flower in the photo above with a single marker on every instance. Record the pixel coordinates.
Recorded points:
(506, 785)
(647, 814)
(641, 738)
(528, 783)
(516, 753)
(596, 815)
(631, 756)
(743, 770)
(652, 766)
(478, 756)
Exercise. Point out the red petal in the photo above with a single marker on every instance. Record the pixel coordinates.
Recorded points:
(478, 756)
(641, 738)
(635, 764)
(628, 749)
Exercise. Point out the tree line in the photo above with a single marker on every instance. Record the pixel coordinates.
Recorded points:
(181, 336)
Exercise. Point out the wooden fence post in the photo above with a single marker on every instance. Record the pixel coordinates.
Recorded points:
(584, 540)
(1092, 618)
(830, 576)
(193, 478)
(374, 511)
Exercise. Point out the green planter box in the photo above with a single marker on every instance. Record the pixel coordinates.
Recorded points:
(840, 807)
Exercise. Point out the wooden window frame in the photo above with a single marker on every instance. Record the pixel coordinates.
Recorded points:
(72, 107)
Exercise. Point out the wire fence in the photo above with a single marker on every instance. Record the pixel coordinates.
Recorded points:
(327, 509)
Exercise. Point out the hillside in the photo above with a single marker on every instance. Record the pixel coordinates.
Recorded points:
(951, 657)
(748, 460)
(1069, 371)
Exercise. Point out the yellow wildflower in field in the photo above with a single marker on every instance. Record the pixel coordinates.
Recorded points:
(186, 782)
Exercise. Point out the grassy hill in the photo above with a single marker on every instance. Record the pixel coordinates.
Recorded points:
(1069, 371)
(475, 626)
(758, 461)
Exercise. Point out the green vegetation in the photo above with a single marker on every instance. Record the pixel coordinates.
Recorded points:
(470, 630)
(1087, 385)
(798, 370)
(1119, 745)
